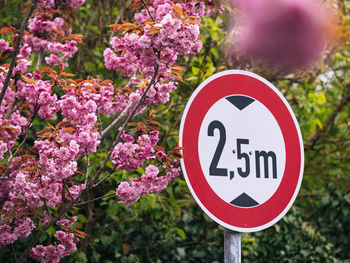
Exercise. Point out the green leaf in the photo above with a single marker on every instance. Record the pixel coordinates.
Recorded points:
(51, 231)
(81, 218)
(180, 232)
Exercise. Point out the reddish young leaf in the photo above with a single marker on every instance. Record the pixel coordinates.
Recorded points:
(79, 233)
(194, 22)
(7, 30)
(69, 129)
(66, 74)
(177, 9)
(158, 148)
(155, 123)
(177, 148)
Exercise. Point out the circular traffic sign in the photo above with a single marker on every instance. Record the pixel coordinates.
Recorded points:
(243, 153)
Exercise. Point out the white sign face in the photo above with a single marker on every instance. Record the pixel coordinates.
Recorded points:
(241, 151)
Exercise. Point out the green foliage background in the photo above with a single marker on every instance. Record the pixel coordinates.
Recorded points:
(170, 227)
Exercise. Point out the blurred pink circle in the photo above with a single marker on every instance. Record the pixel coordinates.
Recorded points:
(285, 33)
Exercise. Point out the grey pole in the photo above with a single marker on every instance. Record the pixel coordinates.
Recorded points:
(232, 246)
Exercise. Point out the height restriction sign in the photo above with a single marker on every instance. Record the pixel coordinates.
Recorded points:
(243, 153)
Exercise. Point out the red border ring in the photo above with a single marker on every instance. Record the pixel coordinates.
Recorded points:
(220, 85)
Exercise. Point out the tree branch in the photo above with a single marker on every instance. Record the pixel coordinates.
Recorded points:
(40, 58)
(116, 121)
(16, 50)
(116, 140)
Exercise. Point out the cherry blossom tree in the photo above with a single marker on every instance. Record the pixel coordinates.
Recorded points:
(41, 181)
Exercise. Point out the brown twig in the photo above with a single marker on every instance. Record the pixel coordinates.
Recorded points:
(345, 100)
(95, 199)
(149, 13)
(67, 189)
(105, 178)
(87, 168)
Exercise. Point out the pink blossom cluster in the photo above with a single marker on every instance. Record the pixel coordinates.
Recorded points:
(131, 155)
(32, 183)
(160, 43)
(130, 192)
(38, 187)
(52, 4)
(42, 179)
(39, 96)
(10, 128)
(46, 31)
(24, 189)
(66, 223)
(141, 52)
(10, 234)
(22, 62)
(66, 50)
(57, 160)
(104, 95)
(159, 93)
(54, 253)
(4, 46)
(83, 115)
(41, 25)
(161, 8)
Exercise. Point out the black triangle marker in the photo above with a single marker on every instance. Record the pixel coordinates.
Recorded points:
(244, 200)
(239, 101)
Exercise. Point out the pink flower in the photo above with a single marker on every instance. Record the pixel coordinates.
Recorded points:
(127, 194)
(6, 236)
(25, 51)
(22, 66)
(75, 3)
(65, 222)
(54, 253)
(47, 4)
(53, 60)
(24, 228)
(4, 46)
(152, 170)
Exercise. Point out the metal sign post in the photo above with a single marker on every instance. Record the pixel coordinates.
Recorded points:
(232, 246)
